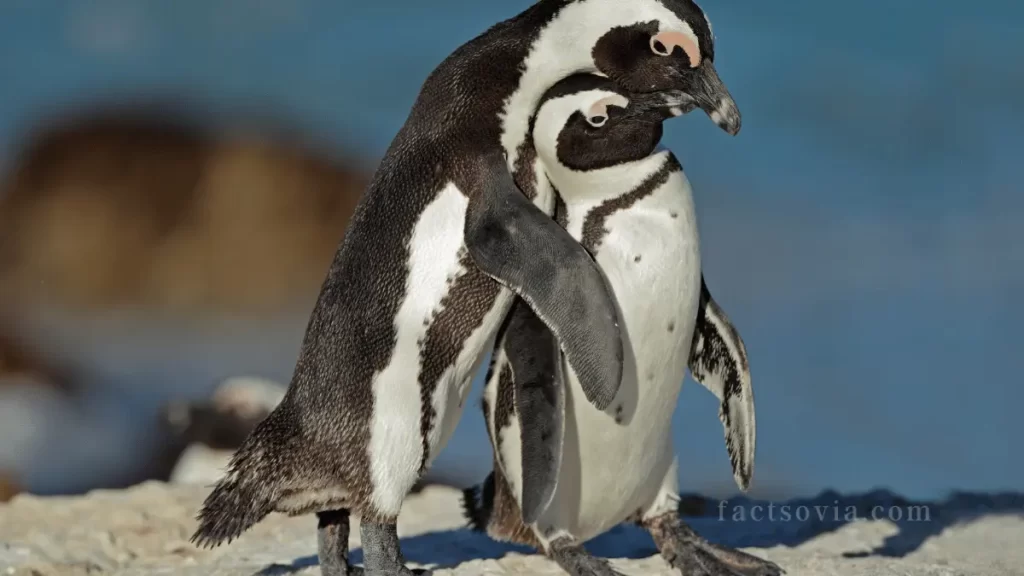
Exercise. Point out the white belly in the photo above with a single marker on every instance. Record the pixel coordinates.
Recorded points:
(436, 253)
(614, 462)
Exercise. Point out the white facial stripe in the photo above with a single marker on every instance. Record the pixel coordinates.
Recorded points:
(685, 39)
(600, 106)
(599, 184)
(565, 46)
(554, 113)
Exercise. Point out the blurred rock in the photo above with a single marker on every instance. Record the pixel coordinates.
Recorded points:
(145, 256)
(50, 440)
(200, 465)
(128, 209)
(206, 433)
(17, 363)
(8, 486)
(223, 421)
(30, 391)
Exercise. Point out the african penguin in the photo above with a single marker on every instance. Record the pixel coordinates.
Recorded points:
(438, 245)
(566, 471)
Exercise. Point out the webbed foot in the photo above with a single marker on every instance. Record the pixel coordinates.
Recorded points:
(574, 559)
(692, 555)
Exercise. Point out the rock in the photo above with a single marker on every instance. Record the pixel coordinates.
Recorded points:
(21, 375)
(18, 365)
(226, 418)
(211, 430)
(201, 465)
(49, 439)
(8, 486)
(133, 207)
(144, 531)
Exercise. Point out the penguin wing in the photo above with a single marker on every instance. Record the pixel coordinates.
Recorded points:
(718, 361)
(536, 362)
(515, 243)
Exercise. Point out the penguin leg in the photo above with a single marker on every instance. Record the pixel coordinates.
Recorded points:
(570, 555)
(382, 554)
(332, 543)
(692, 555)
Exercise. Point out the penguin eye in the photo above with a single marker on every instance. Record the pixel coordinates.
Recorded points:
(597, 121)
(659, 48)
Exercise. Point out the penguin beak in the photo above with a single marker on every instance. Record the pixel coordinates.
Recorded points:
(659, 106)
(709, 92)
(704, 89)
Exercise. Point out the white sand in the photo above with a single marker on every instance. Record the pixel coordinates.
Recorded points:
(145, 531)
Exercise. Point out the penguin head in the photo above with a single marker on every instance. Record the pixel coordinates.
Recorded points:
(587, 122)
(669, 47)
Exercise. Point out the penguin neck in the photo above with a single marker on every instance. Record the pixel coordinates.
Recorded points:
(604, 183)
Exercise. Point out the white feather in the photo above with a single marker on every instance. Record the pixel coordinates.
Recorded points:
(396, 446)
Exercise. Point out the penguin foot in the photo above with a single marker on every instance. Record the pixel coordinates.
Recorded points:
(692, 555)
(382, 554)
(574, 559)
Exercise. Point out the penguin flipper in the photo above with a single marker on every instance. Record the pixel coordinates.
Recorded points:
(718, 361)
(518, 245)
(536, 364)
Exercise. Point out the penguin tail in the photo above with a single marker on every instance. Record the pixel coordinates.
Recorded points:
(478, 504)
(248, 492)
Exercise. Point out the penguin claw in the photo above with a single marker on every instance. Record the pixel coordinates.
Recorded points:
(702, 558)
(692, 560)
(743, 563)
(692, 555)
(575, 560)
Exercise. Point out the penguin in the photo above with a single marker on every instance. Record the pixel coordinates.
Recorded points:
(437, 247)
(565, 470)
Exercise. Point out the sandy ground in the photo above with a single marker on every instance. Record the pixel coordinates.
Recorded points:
(144, 531)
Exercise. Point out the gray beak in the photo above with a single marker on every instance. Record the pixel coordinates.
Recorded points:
(660, 105)
(706, 91)
(709, 92)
